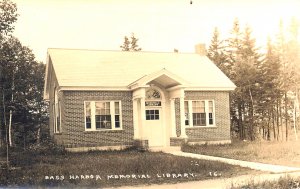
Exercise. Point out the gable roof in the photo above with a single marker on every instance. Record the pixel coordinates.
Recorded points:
(93, 68)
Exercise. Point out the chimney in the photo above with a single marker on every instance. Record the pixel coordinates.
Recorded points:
(200, 49)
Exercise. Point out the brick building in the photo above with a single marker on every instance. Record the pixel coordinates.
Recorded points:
(101, 99)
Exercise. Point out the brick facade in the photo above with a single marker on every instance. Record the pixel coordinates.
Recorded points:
(73, 121)
(221, 131)
(73, 132)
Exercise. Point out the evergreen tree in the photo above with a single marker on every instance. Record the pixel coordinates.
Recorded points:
(126, 44)
(216, 52)
(134, 45)
(130, 45)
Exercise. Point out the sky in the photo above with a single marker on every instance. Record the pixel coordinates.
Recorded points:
(160, 25)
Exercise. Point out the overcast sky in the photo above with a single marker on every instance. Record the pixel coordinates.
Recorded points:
(160, 25)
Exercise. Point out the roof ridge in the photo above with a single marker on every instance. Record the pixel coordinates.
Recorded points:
(107, 50)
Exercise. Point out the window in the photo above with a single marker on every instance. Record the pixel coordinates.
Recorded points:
(199, 113)
(57, 113)
(117, 115)
(199, 117)
(152, 114)
(152, 94)
(102, 115)
(88, 114)
(186, 113)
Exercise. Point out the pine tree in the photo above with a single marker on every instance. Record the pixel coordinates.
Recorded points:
(271, 95)
(216, 52)
(134, 45)
(130, 45)
(126, 44)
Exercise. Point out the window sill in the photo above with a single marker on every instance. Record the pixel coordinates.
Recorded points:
(101, 130)
(196, 127)
(58, 133)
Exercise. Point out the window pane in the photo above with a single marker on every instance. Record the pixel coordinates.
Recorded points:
(117, 124)
(117, 108)
(210, 105)
(88, 125)
(186, 106)
(186, 112)
(88, 115)
(117, 121)
(198, 106)
(98, 125)
(99, 105)
(103, 122)
(211, 120)
(199, 119)
(152, 114)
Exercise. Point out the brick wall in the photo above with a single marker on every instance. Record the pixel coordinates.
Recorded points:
(177, 117)
(222, 117)
(73, 121)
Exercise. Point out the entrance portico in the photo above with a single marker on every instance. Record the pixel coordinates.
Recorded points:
(154, 108)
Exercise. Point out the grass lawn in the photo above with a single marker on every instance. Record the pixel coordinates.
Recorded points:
(107, 169)
(280, 153)
(282, 183)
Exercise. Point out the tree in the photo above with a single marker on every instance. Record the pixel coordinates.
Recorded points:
(134, 45)
(23, 88)
(244, 66)
(126, 44)
(8, 16)
(270, 98)
(130, 45)
(216, 52)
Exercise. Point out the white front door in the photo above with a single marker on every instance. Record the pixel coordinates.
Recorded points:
(153, 130)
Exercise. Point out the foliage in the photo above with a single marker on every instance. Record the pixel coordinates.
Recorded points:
(130, 45)
(286, 182)
(266, 82)
(22, 109)
(8, 16)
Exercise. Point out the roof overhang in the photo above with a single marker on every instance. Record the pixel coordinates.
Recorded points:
(47, 79)
(163, 77)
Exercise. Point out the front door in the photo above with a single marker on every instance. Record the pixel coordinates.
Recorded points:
(153, 126)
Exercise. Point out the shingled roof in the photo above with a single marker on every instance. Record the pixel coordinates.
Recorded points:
(93, 68)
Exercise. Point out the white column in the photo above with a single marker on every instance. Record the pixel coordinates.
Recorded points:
(182, 119)
(173, 118)
(135, 120)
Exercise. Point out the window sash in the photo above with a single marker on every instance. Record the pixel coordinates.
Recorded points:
(199, 113)
(102, 115)
(152, 114)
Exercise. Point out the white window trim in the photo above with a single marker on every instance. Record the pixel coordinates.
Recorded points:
(207, 125)
(112, 113)
(56, 111)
